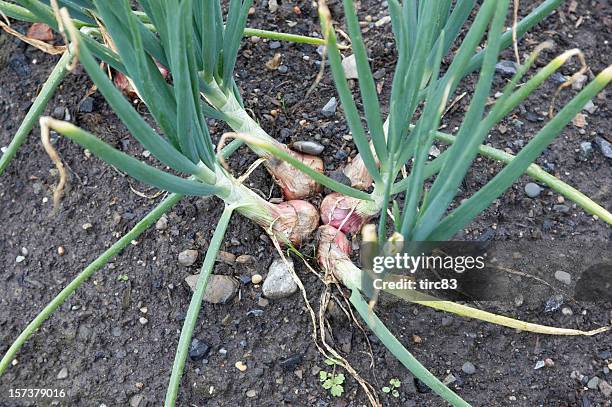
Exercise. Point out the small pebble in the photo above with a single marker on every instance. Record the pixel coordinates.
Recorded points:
(548, 362)
(61, 251)
(532, 190)
(283, 69)
(590, 107)
(308, 147)
(586, 150)
(263, 302)
(506, 68)
(563, 276)
(245, 259)
(143, 320)
(198, 349)
(241, 366)
(580, 81)
(162, 223)
(593, 383)
(251, 393)
(567, 311)
(19, 259)
(279, 282)
(330, 108)
(468, 368)
(604, 146)
(256, 279)
(226, 257)
(63, 373)
(349, 65)
(86, 105)
(187, 257)
(87, 226)
(275, 44)
(561, 208)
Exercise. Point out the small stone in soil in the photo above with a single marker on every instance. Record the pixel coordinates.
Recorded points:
(283, 69)
(593, 383)
(506, 68)
(251, 393)
(340, 177)
(226, 257)
(143, 320)
(86, 105)
(291, 362)
(561, 208)
(219, 290)
(187, 257)
(241, 366)
(275, 44)
(198, 349)
(349, 65)
(87, 226)
(553, 303)
(263, 302)
(63, 373)
(563, 276)
(586, 149)
(279, 283)
(379, 74)
(590, 107)
(604, 146)
(539, 365)
(308, 147)
(330, 107)
(580, 81)
(605, 388)
(19, 259)
(532, 190)
(256, 279)
(468, 368)
(162, 223)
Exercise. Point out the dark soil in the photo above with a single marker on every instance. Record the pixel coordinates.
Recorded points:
(112, 359)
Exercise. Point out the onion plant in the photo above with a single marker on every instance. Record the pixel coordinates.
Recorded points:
(199, 46)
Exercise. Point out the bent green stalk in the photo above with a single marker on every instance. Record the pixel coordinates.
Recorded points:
(41, 101)
(195, 305)
(94, 266)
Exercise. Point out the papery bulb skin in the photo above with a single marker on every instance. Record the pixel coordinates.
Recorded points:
(357, 172)
(295, 220)
(333, 247)
(342, 212)
(293, 183)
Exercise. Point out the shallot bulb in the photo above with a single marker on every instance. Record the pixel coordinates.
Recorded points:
(294, 220)
(293, 183)
(342, 212)
(333, 247)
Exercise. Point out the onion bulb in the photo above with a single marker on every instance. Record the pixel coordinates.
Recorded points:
(333, 248)
(294, 183)
(343, 212)
(294, 220)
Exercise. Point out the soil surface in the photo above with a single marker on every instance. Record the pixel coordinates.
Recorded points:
(95, 346)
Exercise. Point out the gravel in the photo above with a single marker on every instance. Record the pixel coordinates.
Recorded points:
(330, 108)
(468, 368)
(563, 276)
(279, 283)
(187, 257)
(532, 190)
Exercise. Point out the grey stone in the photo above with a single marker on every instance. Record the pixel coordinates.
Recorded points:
(275, 44)
(63, 373)
(593, 383)
(604, 146)
(187, 257)
(86, 105)
(330, 107)
(590, 107)
(561, 208)
(605, 388)
(563, 276)
(279, 282)
(349, 65)
(580, 81)
(586, 149)
(532, 190)
(162, 224)
(219, 290)
(283, 69)
(308, 147)
(468, 368)
(506, 68)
